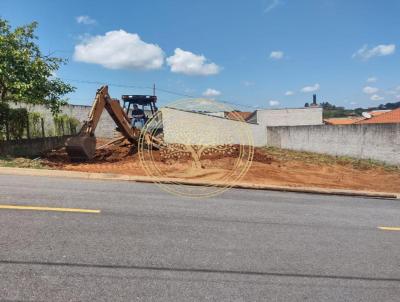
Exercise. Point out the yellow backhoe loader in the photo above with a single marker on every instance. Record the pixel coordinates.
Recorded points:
(83, 146)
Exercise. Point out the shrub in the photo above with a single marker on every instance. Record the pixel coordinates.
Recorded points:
(59, 124)
(74, 125)
(17, 122)
(65, 125)
(35, 124)
(4, 112)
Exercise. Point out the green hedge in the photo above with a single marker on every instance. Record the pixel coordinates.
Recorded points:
(17, 122)
(13, 121)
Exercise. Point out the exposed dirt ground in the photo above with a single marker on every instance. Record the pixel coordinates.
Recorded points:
(270, 166)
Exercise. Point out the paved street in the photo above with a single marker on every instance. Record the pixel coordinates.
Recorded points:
(124, 241)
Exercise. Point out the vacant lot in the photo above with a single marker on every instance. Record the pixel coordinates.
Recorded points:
(270, 166)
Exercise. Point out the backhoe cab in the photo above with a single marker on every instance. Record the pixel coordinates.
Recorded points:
(146, 102)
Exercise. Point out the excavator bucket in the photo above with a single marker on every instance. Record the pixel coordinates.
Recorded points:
(81, 148)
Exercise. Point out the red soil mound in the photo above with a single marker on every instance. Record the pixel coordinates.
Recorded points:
(266, 168)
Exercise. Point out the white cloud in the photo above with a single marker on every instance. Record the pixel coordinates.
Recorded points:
(119, 50)
(211, 92)
(276, 55)
(85, 20)
(366, 53)
(189, 63)
(376, 97)
(372, 79)
(272, 4)
(289, 93)
(274, 103)
(312, 88)
(370, 90)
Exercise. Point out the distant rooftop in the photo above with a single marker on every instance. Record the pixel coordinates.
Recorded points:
(372, 117)
(378, 112)
(392, 116)
(342, 120)
(238, 115)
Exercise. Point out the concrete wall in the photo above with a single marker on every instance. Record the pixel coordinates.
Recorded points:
(288, 117)
(104, 129)
(195, 128)
(219, 113)
(31, 147)
(373, 141)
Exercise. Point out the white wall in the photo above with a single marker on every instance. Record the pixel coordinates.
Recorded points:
(289, 117)
(104, 129)
(372, 141)
(195, 128)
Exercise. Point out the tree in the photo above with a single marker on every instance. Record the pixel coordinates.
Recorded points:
(26, 75)
(327, 105)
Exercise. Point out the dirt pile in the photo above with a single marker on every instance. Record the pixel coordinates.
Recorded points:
(115, 153)
(110, 154)
(173, 153)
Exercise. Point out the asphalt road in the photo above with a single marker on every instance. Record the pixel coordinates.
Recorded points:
(147, 245)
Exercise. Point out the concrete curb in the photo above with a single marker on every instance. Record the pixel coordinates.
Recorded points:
(146, 179)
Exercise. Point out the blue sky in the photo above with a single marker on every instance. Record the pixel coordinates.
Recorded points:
(259, 53)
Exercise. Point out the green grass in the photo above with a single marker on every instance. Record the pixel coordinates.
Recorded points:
(20, 162)
(323, 159)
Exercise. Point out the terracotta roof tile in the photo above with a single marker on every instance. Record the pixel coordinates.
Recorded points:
(342, 120)
(378, 112)
(392, 116)
(234, 115)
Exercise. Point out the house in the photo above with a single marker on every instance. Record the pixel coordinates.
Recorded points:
(371, 117)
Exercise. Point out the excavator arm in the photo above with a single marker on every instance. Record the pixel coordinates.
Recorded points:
(83, 146)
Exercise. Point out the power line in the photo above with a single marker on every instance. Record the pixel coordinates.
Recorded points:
(105, 83)
(151, 88)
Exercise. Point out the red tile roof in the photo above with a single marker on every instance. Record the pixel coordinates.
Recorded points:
(378, 112)
(392, 116)
(342, 120)
(234, 115)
